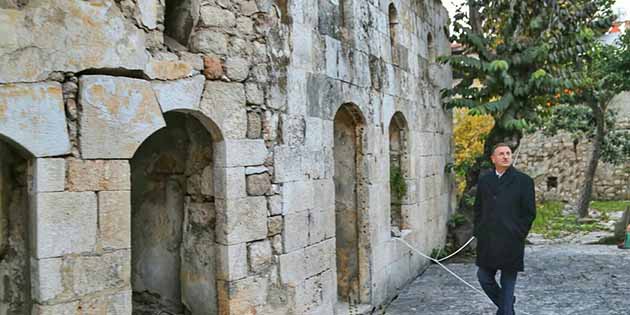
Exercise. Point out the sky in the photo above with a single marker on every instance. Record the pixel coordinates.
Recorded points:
(621, 8)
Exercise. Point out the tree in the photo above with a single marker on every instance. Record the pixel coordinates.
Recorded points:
(509, 58)
(598, 75)
(469, 133)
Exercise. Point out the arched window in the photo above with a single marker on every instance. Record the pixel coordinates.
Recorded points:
(398, 159)
(393, 33)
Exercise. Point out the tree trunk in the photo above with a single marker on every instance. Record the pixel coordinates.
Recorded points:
(584, 198)
(475, 16)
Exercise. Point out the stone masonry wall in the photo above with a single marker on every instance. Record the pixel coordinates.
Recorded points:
(557, 163)
(207, 137)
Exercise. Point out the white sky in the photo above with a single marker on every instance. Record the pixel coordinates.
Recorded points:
(621, 8)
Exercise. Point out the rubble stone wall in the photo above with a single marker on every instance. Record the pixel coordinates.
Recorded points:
(558, 163)
(209, 125)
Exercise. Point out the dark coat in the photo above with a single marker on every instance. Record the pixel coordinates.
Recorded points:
(505, 209)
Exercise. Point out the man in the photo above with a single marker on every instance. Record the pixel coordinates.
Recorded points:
(505, 209)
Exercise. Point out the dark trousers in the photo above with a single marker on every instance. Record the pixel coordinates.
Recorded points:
(502, 296)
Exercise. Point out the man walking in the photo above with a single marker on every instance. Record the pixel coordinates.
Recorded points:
(505, 209)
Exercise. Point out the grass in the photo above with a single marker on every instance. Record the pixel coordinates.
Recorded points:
(607, 206)
(552, 224)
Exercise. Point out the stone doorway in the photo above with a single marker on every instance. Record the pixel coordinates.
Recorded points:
(173, 220)
(350, 206)
(14, 233)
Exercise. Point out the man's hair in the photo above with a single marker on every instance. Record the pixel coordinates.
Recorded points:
(500, 144)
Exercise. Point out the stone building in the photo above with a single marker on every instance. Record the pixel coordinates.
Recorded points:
(217, 156)
(558, 163)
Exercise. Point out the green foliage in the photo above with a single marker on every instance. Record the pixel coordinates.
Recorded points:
(457, 219)
(507, 63)
(610, 205)
(551, 223)
(397, 183)
(603, 73)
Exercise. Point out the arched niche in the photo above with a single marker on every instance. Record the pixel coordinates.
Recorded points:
(351, 218)
(398, 169)
(15, 278)
(174, 256)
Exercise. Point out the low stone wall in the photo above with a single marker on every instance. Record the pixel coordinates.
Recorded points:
(558, 163)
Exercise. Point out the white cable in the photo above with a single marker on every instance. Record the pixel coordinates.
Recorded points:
(457, 251)
(449, 271)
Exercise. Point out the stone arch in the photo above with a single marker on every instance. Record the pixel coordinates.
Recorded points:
(351, 211)
(393, 32)
(174, 257)
(15, 278)
(398, 170)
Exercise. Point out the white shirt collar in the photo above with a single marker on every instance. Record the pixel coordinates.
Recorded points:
(499, 174)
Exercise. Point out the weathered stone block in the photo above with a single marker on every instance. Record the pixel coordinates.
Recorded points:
(116, 303)
(241, 220)
(274, 203)
(224, 103)
(46, 278)
(216, 17)
(276, 244)
(213, 68)
(254, 94)
(49, 175)
(259, 256)
(297, 196)
(233, 262)
(118, 115)
(292, 266)
(167, 69)
(148, 13)
(69, 308)
(254, 125)
(65, 223)
(274, 225)
(98, 175)
(90, 274)
(229, 182)
(209, 42)
(243, 296)
(287, 162)
(95, 35)
(248, 152)
(237, 69)
(33, 115)
(320, 257)
(114, 219)
(258, 184)
(295, 234)
(180, 94)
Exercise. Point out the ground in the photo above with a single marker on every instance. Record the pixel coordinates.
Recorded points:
(562, 279)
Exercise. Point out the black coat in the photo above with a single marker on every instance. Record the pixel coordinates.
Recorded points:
(505, 209)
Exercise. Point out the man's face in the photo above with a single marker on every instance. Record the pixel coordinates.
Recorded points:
(502, 157)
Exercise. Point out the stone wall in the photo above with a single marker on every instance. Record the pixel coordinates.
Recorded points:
(223, 157)
(558, 163)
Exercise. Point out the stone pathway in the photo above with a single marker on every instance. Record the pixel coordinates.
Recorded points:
(558, 280)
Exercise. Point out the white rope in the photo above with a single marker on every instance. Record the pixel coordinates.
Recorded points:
(451, 272)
